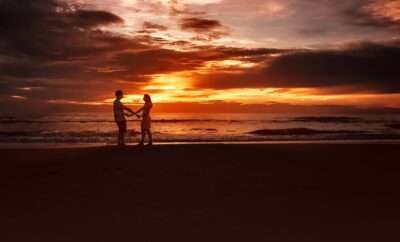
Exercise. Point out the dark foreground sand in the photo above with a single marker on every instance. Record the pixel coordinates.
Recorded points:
(201, 193)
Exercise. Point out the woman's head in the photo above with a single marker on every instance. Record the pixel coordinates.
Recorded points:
(147, 98)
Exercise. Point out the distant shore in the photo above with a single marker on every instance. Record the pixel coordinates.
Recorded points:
(204, 192)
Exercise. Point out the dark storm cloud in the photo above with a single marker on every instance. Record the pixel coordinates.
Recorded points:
(199, 24)
(88, 19)
(60, 44)
(150, 27)
(157, 61)
(365, 67)
(50, 29)
(366, 64)
(153, 26)
(206, 29)
(164, 60)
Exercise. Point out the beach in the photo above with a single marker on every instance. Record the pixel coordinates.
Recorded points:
(204, 193)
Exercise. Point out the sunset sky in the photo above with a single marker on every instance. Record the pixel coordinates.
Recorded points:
(295, 52)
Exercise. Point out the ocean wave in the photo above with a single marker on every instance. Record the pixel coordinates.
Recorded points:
(300, 134)
(327, 119)
(204, 130)
(302, 131)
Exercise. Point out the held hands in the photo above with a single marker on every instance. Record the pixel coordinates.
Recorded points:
(131, 114)
(136, 114)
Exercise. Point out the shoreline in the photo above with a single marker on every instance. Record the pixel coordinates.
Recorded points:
(48, 145)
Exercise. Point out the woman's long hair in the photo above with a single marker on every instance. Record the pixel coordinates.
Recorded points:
(147, 99)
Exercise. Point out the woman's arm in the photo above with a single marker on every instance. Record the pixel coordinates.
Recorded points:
(140, 110)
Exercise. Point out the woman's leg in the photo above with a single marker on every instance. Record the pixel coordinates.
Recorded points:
(143, 133)
(120, 137)
(150, 136)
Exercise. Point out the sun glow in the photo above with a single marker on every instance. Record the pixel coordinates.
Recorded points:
(180, 87)
(164, 88)
(177, 88)
(229, 64)
(169, 82)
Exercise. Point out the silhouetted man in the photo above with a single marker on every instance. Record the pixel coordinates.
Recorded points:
(119, 116)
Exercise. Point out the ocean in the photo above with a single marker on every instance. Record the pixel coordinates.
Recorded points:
(99, 128)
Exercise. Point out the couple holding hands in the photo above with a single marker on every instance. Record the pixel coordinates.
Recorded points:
(143, 112)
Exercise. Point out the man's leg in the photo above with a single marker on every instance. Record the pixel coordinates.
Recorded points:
(123, 131)
(123, 138)
(119, 137)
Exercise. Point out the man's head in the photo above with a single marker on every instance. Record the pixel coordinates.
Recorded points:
(119, 94)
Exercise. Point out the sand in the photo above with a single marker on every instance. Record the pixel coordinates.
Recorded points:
(247, 193)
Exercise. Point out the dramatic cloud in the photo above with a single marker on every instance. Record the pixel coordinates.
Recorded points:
(199, 25)
(204, 28)
(65, 54)
(157, 61)
(149, 27)
(362, 67)
(58, 45)
(88, 19)
(377, 13)
(83, 50)
(52, 29)
(369, 66)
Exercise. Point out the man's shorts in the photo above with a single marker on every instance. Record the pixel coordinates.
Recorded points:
(121, 126)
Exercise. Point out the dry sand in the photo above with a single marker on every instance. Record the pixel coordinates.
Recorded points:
(190, 193)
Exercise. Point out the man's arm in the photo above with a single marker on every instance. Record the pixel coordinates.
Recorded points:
(128, 109)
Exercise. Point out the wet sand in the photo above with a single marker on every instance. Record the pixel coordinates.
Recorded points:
(275, 192)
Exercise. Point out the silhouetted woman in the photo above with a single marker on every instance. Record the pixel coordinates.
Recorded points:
(146, 119)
